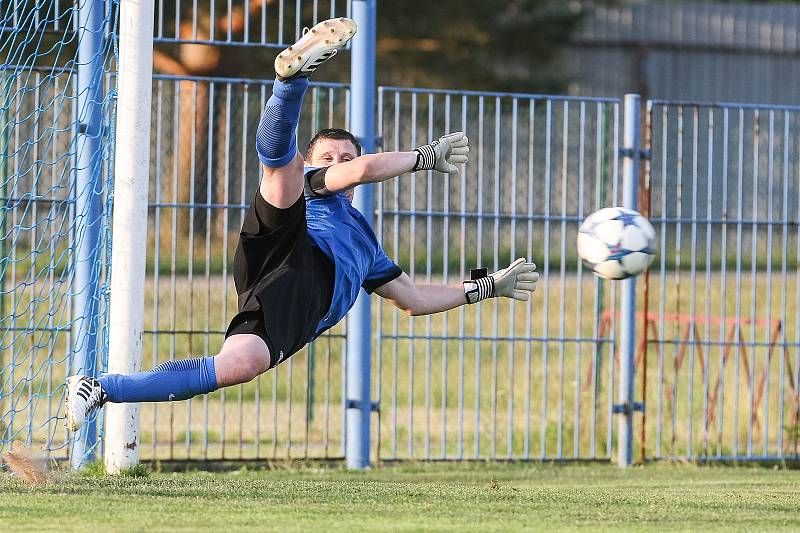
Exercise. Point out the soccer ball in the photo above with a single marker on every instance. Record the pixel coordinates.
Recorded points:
(616, 243)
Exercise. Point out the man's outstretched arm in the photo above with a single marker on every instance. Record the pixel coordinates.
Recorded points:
(516, 281)
(442, 155)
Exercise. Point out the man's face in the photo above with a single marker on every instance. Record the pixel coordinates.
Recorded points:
(328, 152)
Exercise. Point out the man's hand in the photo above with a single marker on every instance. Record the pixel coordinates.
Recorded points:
(443, 155)
(515, 281)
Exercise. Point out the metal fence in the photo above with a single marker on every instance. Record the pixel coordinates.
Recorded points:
(717, 357)
(718, 333)
(501, 379)
(723, 191)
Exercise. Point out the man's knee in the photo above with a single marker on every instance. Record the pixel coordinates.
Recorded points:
(281, 187)
(292, 169)
(242, 358)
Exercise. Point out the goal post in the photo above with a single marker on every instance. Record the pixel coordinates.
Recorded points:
(129, 248)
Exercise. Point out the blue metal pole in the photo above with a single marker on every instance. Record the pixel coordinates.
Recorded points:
(359, 330)
(88, 208)
(5, 137)
(627, 325)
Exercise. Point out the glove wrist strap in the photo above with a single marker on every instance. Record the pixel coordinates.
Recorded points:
(426, 157)
(479, 287)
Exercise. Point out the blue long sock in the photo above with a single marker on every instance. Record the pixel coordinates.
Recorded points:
(276, 141)
(172, 380)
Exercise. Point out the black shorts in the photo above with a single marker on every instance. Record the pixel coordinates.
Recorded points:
(284, 282)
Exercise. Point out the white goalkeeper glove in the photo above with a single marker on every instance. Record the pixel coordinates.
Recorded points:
(515, 281)
(443, 155)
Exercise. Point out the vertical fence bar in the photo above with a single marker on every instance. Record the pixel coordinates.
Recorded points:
(723, 281)
(693, 284)
(396, 249)
(546, 293)
(428, 253)
(130, 223)
(193, 164)
(359, 335)
(707, 334)
(576, 443)
(785, 248)
(529, 253)
(627, 327)
(513, 255)
(768, 329)
(156, 253)
(88, 207)
(600, 187)
(380, 209)
(753, 281)
(462, 268)
(412, 261)
(496, 266)
(563, 281)
(738, 280)
(445, 280)
(479, 239)
(5, 138)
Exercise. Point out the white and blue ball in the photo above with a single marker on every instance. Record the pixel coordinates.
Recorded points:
(616, 243)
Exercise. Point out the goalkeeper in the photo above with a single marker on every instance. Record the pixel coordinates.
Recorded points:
(304, 252)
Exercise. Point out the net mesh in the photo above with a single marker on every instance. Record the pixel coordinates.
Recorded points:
(57, 102)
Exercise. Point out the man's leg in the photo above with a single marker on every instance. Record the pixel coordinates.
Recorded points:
(276, 143)
(242, 358)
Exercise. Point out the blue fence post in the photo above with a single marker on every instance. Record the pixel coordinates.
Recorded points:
(359, 323)
(4, 140)
(627, 325)
(88, 207)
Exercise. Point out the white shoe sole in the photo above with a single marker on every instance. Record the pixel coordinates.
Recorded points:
(315, 47)
(71, 424)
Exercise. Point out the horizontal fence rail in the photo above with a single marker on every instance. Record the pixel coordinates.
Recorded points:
(249, 23)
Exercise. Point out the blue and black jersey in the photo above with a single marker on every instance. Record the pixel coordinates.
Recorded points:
(343, 234)
(298, 270)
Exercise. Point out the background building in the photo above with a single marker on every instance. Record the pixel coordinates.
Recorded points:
(739, 52)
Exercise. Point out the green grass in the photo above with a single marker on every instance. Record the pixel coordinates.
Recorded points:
(451, 497)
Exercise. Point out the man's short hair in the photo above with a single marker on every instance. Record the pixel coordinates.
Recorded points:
(332, 133)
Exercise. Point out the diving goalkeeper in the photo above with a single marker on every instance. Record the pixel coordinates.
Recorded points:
(304, 252)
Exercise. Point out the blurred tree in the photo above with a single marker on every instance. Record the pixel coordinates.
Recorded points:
(192, 59)
(476, 44)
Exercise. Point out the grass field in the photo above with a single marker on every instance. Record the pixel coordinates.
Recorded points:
(415, 497)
